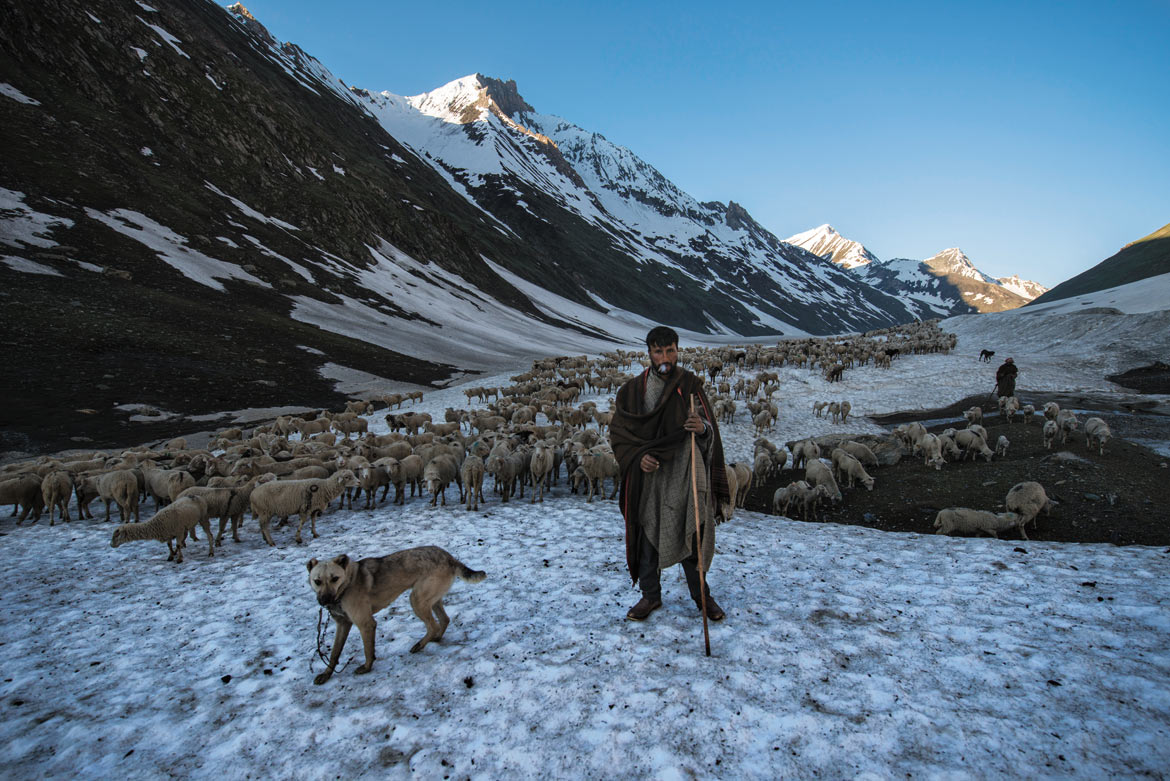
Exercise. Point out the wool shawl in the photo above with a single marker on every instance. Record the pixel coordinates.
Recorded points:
(634, 432)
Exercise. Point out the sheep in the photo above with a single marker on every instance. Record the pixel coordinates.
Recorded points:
(1001, 446)
(441, 470)
(1008, 407)
(972, 444)
(472, 473)
(727, 509)
(805, 452)
(505, 470)
(240, 502)
(370, 478)
(762, 421)
(948, 446)
(410, 473)
(982, 432)
(24, 492)
(1027, 412)
(835, 411)
(178, 443)
(540, 468)
(974, 415)
(599, 465)
(1050, 431)
(845, 464)
(1028, 499)
(119, 486)
(170, 525)
(846, 408)
(859, 451)
(931, 448)
(911, 435)
(819, 407)
(816, 473)
(762, 466)
(790, 493)
(306, 498)
(814, 497)
(1051, 410)
(743, 482)
(1067, 421)
(1097, 431)
(963, 519)
(218, 501)
(165, 484)
(56, 489)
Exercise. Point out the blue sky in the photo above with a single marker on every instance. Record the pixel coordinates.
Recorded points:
(1035, 136)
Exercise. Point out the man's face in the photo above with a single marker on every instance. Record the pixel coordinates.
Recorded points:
(664, 359)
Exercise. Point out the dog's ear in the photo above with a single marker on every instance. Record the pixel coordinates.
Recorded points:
(342, 561)
(312, 563)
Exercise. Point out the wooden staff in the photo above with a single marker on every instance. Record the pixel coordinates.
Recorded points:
(699, 537)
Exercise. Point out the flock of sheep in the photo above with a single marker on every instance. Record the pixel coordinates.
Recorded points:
(302, 466)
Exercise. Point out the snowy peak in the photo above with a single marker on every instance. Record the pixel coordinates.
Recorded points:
(954, 261)
(1025, 288)
(831, 245)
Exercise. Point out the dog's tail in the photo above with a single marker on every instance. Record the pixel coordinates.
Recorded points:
(469, 574)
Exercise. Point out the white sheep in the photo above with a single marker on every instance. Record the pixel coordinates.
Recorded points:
(846, 408)
(1028, 499)
(1067, 421)
(1027, 411)
(931, 448)
(56, 491)
(819, 408)
(835, 411)
(974, 415)
(1049, 432)
(727, 509)
(440, 472)
(306, 498)
(762, 466)
(972, 444)
(963, 519)
(1097, 432)
(846, 465)
(1001, 446)
(762, 421)
(743, 481)
(790, 493)
(540, 468)
(804, 452)
(472, 472)
(1051, 410)
(24, 492)
(816, 473)
(600, 464)
(859, 451)
(170, 525)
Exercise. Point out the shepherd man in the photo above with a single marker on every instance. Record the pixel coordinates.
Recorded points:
(652, 432)
(1005, 378)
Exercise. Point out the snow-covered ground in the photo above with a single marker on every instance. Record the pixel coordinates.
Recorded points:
(846, 652)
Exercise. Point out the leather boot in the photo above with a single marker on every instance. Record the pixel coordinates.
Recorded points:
(642, 610)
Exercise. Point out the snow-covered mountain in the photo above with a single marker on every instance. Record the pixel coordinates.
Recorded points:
(530, 171)
(1024, 288)
(831, 245)
(946, 284)
(943, 285)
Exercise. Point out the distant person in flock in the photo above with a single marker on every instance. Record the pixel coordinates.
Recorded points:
(651, 437)
(1005, 378)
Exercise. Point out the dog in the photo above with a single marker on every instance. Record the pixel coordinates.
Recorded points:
(353, 591)
(985, 355)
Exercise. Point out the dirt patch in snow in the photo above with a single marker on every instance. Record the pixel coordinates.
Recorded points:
(1116, 498)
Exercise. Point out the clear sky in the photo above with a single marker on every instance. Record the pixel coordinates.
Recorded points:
(1033, 135)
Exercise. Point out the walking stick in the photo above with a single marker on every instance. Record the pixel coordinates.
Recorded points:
(699, 538)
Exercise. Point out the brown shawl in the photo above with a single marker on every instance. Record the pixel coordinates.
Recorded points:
(634, 432)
